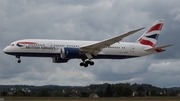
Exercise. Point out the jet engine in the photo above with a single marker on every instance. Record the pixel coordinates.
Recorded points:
(68, 53)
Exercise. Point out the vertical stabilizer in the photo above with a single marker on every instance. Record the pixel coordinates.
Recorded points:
(150, 37)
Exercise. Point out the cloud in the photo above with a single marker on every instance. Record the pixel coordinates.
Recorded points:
(89, 20)
(167, 67)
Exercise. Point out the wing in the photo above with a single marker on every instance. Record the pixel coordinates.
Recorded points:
(94, 49)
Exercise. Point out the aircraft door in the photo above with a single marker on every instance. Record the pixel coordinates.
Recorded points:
(132, 48)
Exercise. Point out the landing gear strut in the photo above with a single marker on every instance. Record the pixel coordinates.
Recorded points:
(19, 60)
(86, 63)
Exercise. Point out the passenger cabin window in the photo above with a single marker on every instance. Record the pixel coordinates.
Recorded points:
(73, 46)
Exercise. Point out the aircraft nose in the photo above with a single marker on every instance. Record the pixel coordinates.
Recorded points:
(5, 50)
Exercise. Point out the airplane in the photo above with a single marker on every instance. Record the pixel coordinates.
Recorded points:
(61, 51)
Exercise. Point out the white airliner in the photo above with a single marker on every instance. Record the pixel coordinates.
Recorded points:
(63, 50)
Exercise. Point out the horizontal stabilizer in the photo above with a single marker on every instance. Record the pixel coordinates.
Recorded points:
(160, 47)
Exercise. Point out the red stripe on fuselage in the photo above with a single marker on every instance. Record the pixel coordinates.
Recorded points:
(157, 27)
(146, 42)
(27, 43)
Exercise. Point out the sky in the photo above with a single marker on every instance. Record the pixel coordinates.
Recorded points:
(89, 20)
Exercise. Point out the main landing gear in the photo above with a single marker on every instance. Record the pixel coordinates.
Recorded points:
(19, 60)
(86, 63)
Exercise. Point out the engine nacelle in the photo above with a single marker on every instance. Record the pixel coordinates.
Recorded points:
(59, 60)
(68, 53)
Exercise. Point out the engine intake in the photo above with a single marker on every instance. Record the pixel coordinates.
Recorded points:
(68, 53)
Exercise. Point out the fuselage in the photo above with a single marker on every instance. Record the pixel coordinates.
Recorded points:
(51, 48)
(112, 48)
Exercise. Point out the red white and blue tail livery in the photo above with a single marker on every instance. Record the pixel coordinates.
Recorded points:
(61, 51)
(150, 37)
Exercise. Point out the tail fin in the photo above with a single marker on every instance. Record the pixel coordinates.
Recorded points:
(150, 37)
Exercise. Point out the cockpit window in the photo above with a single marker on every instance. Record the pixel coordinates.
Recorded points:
(11, 44)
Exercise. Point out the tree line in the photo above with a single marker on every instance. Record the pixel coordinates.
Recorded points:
(102, 90)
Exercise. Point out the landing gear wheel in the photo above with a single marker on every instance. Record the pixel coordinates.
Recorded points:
(87, 62)
(81, 64)
(19, 61)
(85, 65)
(91, 63)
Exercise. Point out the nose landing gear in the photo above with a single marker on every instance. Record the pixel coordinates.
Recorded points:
(19, 60)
